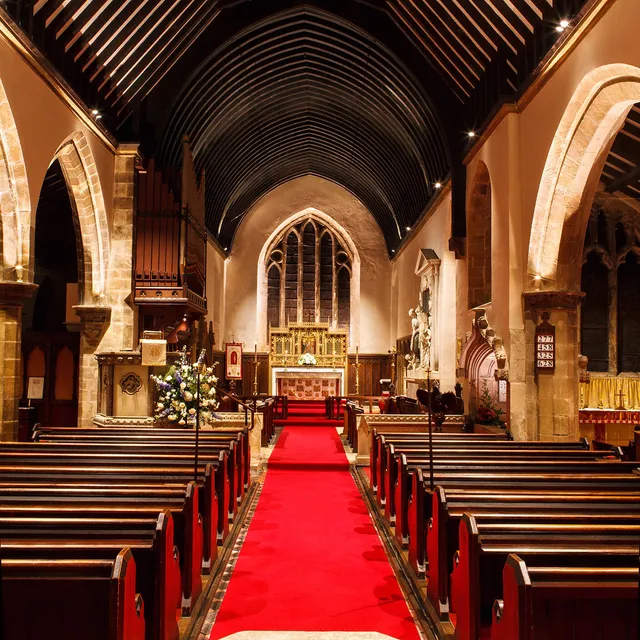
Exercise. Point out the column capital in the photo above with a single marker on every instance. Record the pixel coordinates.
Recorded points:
(458, 244)
(93, 318)
(13, 294)
(552, 300)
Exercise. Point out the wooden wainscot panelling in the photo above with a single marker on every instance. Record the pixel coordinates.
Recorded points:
(373, 367)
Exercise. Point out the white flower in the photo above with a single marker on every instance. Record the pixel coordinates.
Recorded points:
(160, 405)
(188, 396)
(183, 385)
(181, 422)
(212, 392)
(172, 417)
(192, 411)
(168, 378)
(182, 405)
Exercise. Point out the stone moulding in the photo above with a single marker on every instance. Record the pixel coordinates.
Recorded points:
(94, 319)
(483, 338)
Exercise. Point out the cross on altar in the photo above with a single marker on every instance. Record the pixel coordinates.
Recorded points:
(621, 395)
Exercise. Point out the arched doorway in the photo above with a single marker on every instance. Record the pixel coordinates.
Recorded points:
(51, 337)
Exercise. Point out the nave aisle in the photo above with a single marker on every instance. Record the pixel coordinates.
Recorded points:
(312, 559)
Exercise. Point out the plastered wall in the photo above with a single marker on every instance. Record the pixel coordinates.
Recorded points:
(372, 332)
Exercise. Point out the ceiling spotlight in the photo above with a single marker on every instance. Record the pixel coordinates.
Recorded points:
(559, 29)
(564, 23)
(98, 117)
(95, 112)
(438, 185)
(226, 248)
(472, 134)
(393, 250)
(408, 228)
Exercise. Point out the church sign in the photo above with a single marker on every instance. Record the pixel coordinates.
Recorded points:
(545, 345)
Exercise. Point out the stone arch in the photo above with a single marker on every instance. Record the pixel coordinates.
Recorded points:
(479, 238)
(482, 358)
(586, 131)
(90, 217)
(15, 202)
(342, 235)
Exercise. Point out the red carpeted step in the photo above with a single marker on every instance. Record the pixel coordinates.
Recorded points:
(312, 560)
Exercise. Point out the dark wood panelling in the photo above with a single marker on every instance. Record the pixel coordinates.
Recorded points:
(373, 367)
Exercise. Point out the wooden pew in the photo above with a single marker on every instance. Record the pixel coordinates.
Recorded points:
(484, 547)
(187, 529)
(213, 481)
(71, 599)
(560, 602)
(150, 540)
(396, 479)
(221, 456)
(513, 510)
(419, 511)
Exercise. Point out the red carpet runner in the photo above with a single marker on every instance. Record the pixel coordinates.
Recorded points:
(312, 560)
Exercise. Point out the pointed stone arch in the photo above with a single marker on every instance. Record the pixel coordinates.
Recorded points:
(15, 202)
(90, 217)
(315, 216)
(586, 131)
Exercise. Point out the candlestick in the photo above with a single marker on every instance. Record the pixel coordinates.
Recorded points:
(255, 352)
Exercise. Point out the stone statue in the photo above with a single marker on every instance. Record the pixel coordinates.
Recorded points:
(414, 351)
(424, 320)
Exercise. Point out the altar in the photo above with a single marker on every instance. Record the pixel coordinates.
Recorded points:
(307, 361)
(307, 383)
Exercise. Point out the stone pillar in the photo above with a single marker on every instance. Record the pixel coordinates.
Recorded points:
(556, 403)
(12, 295)
(110, 323)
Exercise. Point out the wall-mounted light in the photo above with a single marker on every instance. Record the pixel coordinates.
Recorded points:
(562, 26)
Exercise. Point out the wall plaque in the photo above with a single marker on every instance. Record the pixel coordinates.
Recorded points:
(545, 345)
(233, 361)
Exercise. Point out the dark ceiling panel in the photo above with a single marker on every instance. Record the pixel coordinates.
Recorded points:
(307, 93)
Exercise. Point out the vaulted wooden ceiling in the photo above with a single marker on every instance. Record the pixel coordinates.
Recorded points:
(329, 97)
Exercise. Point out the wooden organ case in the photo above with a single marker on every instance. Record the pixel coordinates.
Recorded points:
(170, 249)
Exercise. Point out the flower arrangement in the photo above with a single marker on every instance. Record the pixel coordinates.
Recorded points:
(307, 360)
(178, 392)
(487, 412)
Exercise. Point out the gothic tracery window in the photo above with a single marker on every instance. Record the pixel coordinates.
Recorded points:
(610, 314)
(308, 276)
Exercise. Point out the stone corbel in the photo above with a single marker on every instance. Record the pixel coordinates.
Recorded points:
(94, 319)
(13, 294)
(459, 247)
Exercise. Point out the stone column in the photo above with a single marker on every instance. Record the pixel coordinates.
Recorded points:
(109, 324)
(557, 402)
(12, 295)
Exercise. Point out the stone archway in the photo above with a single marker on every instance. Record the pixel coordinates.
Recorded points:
(15, 207)
(92, 237)
(479, 238)
(568, 185)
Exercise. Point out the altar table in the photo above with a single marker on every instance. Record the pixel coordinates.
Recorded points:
(307, 383)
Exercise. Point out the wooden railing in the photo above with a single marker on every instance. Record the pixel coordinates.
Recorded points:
(334, 405)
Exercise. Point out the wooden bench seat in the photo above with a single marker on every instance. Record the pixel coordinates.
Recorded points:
(559, 602)
(151, 542)
(484, 548)
(534, 510)
(419, 507)
(74, 599)
(187, 525)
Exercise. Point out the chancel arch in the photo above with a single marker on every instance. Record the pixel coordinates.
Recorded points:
(308, 271)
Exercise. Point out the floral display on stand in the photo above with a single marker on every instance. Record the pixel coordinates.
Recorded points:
(178, 392)
(307, 360)
(487, 412)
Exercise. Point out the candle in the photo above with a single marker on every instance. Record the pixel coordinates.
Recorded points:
(255, 352)
(356, 354)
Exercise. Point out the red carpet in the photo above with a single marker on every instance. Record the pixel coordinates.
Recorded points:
(312, 560)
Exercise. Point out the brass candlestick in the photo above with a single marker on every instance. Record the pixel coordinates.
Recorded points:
(255, 378)
(392, 351)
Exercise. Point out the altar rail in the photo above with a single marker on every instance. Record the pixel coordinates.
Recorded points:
(334, 405)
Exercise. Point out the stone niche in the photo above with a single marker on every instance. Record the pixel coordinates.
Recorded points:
(423, 358)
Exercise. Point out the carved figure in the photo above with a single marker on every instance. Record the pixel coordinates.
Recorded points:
(415, 337)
